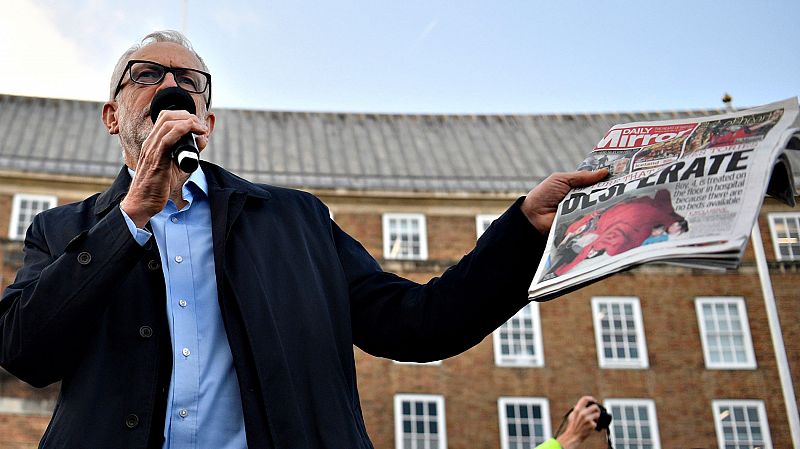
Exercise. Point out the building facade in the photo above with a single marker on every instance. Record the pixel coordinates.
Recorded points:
(679, 357)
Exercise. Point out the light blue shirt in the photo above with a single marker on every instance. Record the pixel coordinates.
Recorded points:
(204, 408)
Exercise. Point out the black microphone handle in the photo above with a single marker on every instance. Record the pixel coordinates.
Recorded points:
(185, 154)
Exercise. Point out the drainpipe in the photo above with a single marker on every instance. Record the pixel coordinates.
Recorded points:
(777, 337)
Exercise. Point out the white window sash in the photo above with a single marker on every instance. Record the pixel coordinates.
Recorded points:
(502, 402)
(750, 362)
(652, 418)
(717, 406)
(482, 222)
(440, 416)
(390, 247)
(642, 361)
(521, 360)
(776, 238)
(49, 200)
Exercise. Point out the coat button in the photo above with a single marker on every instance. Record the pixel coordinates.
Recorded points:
(84, 258)
(132, 421)
(153, 265)
(146, 331)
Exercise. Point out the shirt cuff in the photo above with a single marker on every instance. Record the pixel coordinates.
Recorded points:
(140, 235)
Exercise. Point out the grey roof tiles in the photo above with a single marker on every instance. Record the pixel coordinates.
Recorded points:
(446, 153)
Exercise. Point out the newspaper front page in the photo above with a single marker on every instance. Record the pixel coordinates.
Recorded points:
(686, 191)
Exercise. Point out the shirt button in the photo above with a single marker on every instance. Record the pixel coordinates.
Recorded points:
(174, 219)
(186, 352)
(178, 259)
(182, 303)
(184, 413)
(84, 258)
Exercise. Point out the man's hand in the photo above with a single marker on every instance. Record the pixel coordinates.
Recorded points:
(541, 204)
(580, 424)
(156, 176)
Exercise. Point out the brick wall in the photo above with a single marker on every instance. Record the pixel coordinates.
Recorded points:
(676, 380)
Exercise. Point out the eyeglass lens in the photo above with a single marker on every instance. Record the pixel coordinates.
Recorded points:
(149, 73)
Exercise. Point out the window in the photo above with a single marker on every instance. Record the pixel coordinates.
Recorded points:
(785, 230)
(524, 422)
(619, 333)
(725, 333)
(634, 424)
(22, 406)
(741, 424)
(404, 237)
(419, 422)
(518, 342)
(23, 209)
(482, 223)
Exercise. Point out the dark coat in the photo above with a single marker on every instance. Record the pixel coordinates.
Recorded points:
(88, 309)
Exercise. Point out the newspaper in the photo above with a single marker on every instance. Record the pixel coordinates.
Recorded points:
(683, 191)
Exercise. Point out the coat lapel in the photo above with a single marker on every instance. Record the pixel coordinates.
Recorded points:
(112, 196)
(227, 195)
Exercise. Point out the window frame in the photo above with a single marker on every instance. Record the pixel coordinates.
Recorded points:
(771, 218)
(398, 416)
(521, 360)
(652, 416)
(503, 401)
(480, 220)
(423, 235)
(643, 361)
(732, 403)
(751, 363)
(52, 200)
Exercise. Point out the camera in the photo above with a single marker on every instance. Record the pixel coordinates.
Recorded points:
(604, 420)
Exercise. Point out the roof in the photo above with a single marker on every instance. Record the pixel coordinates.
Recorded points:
(316, 150)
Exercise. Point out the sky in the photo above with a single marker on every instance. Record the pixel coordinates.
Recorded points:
(423, 56)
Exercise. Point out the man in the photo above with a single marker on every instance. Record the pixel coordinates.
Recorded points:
(207, 311)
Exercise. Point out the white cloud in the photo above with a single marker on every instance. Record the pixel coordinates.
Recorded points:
(37, 60)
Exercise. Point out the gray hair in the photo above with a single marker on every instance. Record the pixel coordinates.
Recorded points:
(172, 36)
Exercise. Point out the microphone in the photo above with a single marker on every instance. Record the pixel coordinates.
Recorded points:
(184, 153)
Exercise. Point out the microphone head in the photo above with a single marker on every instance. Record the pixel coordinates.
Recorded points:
(171, 99)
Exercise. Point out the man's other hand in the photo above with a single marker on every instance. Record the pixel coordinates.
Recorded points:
(541, 203)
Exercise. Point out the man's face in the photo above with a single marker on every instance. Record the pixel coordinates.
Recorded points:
(133, 100)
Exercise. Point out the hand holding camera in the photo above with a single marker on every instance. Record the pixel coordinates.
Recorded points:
(581, 420)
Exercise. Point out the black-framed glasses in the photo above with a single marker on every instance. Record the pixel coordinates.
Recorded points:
(150, 73)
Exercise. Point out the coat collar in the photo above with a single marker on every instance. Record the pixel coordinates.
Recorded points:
(222, 180)
(221, 183)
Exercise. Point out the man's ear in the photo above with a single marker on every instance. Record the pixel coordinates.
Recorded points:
(211, 120)
(110, 117)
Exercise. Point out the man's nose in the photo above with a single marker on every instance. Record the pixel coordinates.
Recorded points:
(168, 81)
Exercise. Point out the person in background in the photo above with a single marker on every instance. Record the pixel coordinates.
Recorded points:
(581, 421)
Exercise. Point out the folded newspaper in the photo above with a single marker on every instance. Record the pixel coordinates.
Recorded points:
(686, 192)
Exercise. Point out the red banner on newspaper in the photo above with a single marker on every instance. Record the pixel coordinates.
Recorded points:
(640, 136)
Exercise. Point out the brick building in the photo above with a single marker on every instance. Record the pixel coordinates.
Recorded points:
(682, 358)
